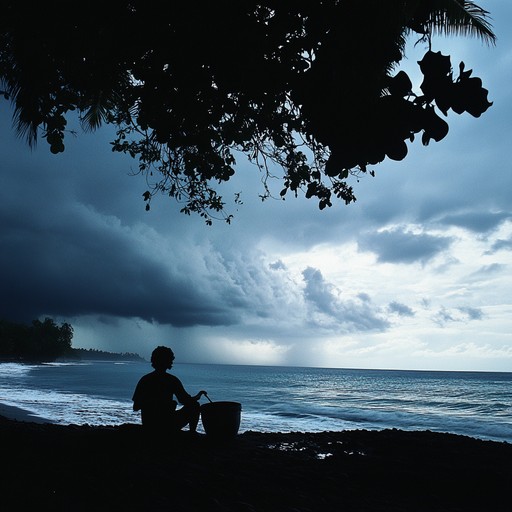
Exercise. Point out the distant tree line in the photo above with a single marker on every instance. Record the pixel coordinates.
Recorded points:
(46, 341)
(102, 355)
(39, 341)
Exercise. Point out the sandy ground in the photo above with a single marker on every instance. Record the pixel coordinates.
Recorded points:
(15, 413)
(83, 468)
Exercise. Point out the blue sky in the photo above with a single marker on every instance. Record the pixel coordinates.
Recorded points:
(415, 275)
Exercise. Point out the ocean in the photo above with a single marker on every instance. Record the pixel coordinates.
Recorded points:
(275, 399)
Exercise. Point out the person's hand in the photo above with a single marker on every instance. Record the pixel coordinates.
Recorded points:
(203, 393)
(200, 394)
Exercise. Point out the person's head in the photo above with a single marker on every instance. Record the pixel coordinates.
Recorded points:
(162, 358)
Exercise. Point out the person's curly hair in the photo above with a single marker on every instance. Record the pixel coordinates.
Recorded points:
(162, 357)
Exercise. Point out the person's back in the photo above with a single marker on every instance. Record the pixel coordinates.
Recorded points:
(154, 397)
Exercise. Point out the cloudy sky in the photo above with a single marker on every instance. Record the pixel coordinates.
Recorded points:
(417, 274)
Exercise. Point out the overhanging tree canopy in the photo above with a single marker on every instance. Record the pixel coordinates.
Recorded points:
(308, 85)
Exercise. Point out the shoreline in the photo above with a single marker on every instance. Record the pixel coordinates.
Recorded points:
(12, 412)
(15, 413)
(83, 468)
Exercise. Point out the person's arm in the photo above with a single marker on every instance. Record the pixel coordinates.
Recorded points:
(137, 397)
(184, 397)
(199, 395)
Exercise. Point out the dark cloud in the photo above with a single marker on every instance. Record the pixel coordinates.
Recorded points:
(488, 271)
(400, 309)
(320, 293)
(472, 313)
(398, 246)
(425, 303)
(476, 221)
(364, 297)
(80, 265)
(278, 265)
(501, 245)
(76, 241)
(334, 311)
(460, 314)
(442, 317)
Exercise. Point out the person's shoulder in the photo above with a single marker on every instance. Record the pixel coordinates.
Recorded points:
(174, 378)
(148, 376)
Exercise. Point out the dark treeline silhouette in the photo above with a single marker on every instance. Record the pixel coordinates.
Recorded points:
(39, 341)
(46, 341)
(102, 355)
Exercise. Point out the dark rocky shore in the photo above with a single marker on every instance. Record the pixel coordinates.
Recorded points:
(82, 468)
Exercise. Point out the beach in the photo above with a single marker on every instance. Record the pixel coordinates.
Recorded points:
(18, 414)
(118, 468)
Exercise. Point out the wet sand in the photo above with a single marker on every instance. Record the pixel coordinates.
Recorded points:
(15, 413)
(85, 468)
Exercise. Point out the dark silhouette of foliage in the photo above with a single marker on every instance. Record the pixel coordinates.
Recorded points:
(91, 354)
(46, 341)
(40, 341)
(310, 88)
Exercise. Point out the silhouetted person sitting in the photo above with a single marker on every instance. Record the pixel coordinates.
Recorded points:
(154, 397)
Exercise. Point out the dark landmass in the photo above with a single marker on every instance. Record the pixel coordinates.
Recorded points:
(78, 354)
(41, 342)
(36, 342)
(84, 354)
(84, 468)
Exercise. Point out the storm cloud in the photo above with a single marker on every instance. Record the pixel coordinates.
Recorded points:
(415, 274)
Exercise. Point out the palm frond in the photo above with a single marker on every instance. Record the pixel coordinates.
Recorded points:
(94, 116)
(25, 128)
(460, 17)
(99, 107)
